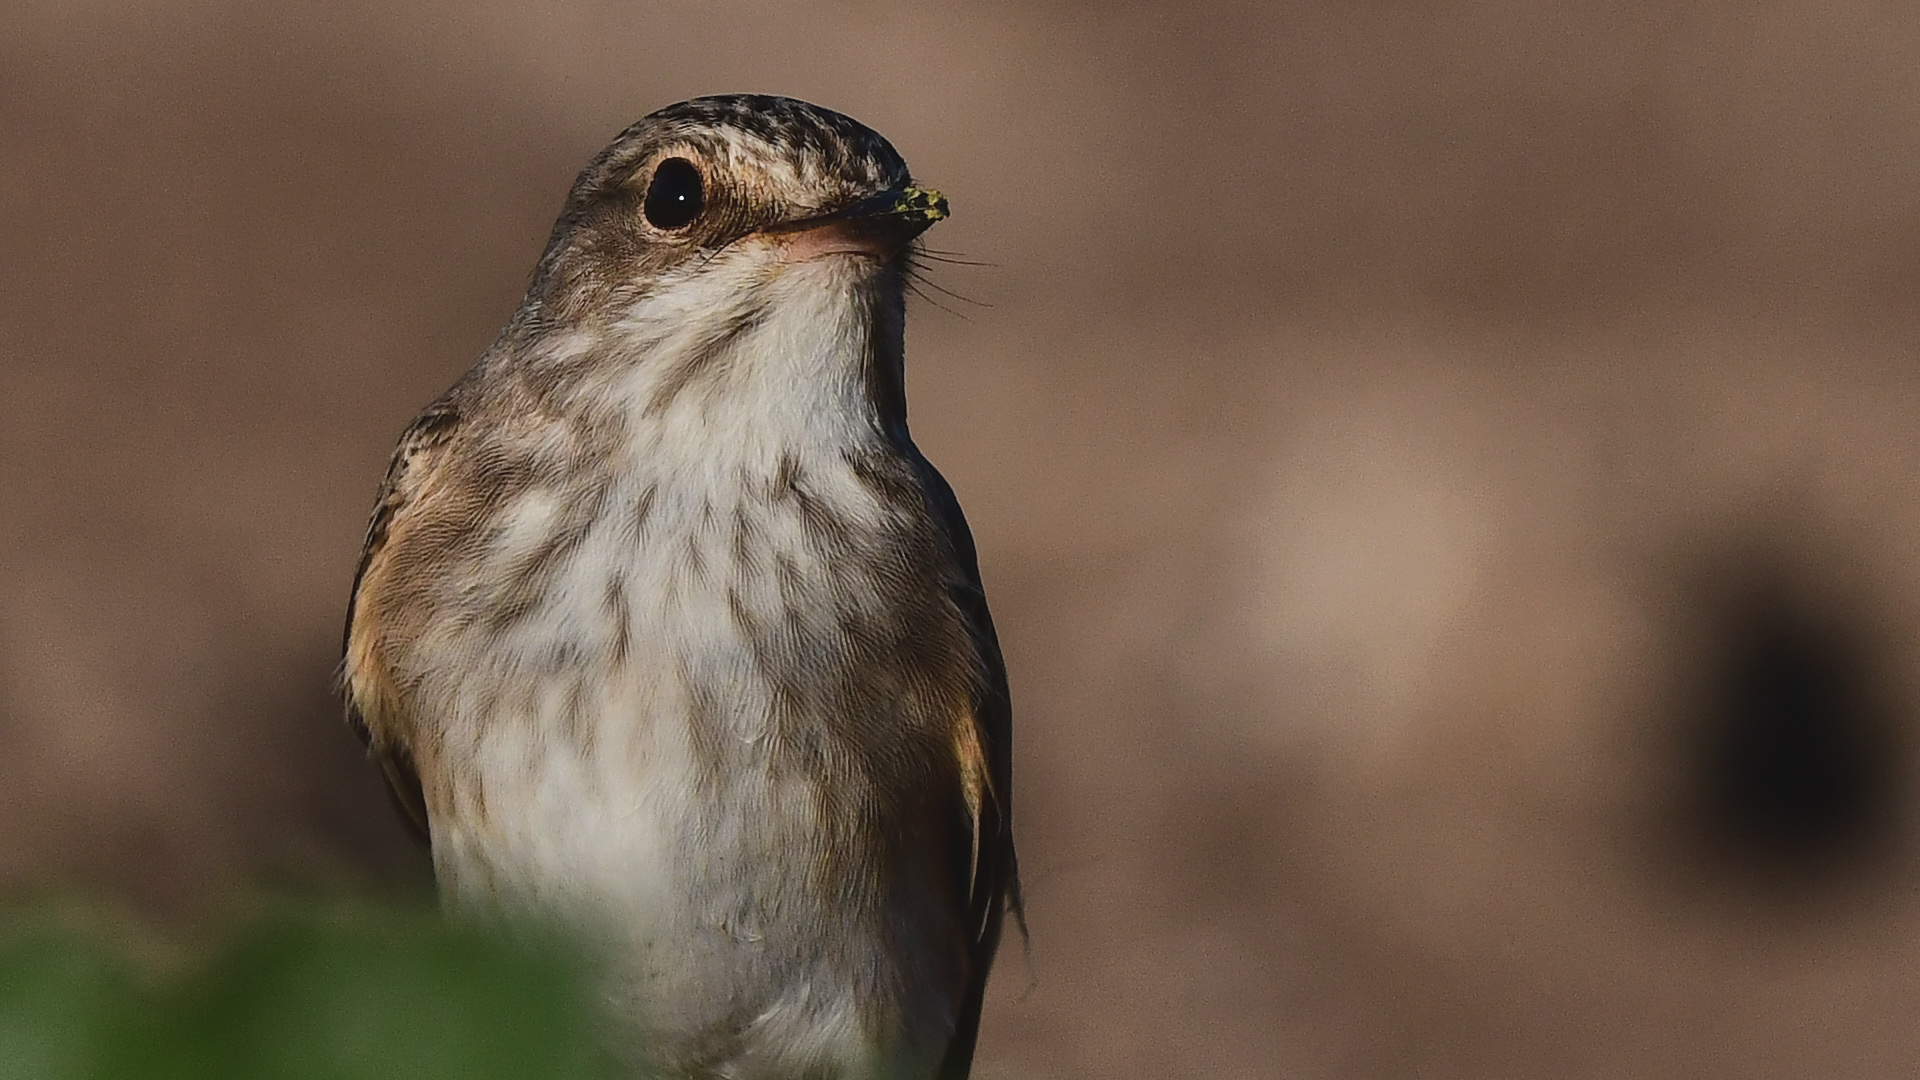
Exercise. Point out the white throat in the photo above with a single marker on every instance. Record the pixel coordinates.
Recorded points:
(748, 358)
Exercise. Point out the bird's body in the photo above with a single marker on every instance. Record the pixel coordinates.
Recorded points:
(682, 637)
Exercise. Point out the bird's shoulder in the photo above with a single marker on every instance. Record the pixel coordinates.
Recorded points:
(984, 746)
(375, 707)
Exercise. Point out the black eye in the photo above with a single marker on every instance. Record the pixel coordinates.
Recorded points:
(674, 197)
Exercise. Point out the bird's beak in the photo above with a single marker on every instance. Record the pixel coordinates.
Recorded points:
(878, 227)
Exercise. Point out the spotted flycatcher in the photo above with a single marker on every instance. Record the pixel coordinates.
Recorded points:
(665, 628)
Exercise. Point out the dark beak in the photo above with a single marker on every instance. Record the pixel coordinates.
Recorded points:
(879, 226)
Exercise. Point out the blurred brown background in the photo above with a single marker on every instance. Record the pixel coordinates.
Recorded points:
(1446, 473)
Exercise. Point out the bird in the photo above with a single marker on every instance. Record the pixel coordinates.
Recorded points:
(666, 630)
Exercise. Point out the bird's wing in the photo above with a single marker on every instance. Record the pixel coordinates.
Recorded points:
(986, 752)
(373, 703)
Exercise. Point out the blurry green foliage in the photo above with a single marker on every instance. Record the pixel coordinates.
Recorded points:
(302, 994)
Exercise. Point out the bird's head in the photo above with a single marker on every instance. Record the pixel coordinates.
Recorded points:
(711, 205)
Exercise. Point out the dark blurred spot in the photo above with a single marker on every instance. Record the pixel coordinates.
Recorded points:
(1223, 833)
(1796, 763)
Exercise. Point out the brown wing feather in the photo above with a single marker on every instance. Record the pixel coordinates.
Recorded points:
(369, 692)
(986, 752)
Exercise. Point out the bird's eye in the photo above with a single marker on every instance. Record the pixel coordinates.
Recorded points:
(674, 198)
